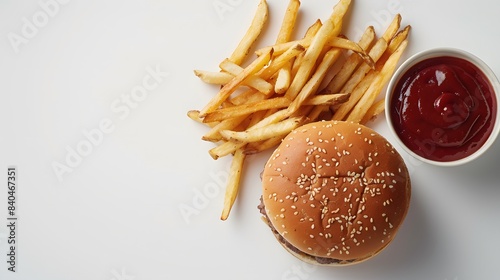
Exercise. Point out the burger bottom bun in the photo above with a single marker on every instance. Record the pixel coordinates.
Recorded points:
(312, 259)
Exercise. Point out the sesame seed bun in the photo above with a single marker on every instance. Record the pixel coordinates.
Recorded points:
(335, 193)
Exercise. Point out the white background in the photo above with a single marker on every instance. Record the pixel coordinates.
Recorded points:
(117, 214)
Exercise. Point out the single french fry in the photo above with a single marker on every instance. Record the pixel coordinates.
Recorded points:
(195, 116)
(313, 29)
(252, 81)
(229, 88)
(216, 78)
(247, 108)
(327, 99)
(233, 182)
(253, 32)
(376, 109)
(263, 133)
(283, 79)
(289, 20)
(357, 113)
(339, 11)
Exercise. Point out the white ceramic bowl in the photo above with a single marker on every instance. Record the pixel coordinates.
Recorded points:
(443, 52)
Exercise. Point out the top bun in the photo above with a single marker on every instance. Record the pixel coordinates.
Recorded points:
(336, 190)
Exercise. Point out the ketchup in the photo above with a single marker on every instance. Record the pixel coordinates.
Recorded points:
(443, 108)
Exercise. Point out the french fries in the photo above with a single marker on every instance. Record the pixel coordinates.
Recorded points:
(283, 78)
(283, 86)
(230, 87)
(260, 19)
(233, 184)
(377, 84)
(263, 133)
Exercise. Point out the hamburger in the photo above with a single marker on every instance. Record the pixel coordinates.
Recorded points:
(335, 193)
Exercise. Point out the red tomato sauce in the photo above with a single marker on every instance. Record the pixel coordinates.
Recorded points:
(443, 108)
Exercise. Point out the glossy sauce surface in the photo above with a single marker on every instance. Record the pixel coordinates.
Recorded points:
(443, 108)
